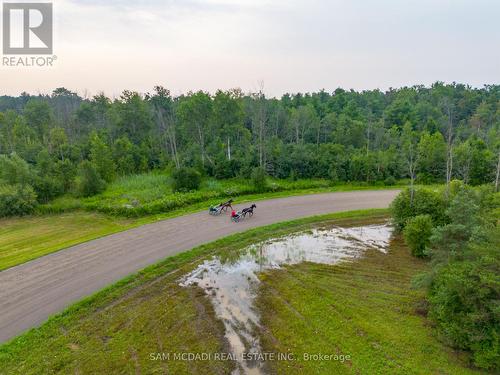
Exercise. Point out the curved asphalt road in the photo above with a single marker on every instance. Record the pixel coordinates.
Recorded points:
(31, 292)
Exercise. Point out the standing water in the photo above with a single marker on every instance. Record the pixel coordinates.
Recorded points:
(232, 285)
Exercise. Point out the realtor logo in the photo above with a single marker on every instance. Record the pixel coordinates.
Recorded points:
(27, 28)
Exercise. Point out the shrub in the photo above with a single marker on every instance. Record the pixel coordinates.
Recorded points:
(65, 172)
(450, 240)
(17, 200)
(89, 181)
(417, 233)
(390, 181)
(259, 180)
(425, 202)
(15, 170)
(464, 303)
(47, 188)
(186, 179)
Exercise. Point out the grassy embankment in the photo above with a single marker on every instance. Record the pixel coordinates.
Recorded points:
(365, 309)
(129, 202)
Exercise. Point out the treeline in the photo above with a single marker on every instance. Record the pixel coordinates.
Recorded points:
(457, 228)
(429, 134)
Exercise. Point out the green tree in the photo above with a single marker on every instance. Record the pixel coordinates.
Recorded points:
(39, 116)
(123, 154)
(195, 113)
(89, 181)
(58, 142)
(431, 157)
(450, 240)
(464, 302)
(409, 139)
(132, 116)
(425, 202)
(417, 233)
(101, 158)
(165, 117)
(14, 170)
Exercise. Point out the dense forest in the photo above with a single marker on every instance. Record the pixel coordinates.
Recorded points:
(426, 134)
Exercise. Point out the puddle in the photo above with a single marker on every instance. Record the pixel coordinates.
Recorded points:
(232, 284)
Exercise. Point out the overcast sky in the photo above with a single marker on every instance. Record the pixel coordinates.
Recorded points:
(291, 46)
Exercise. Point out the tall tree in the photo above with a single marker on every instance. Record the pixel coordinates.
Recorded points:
(259, 121)
(166, 120)
(101, 158)
(449, 112)
(409, 140)
(195, 112)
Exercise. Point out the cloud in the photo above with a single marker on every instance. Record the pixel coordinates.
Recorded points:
(294, 45)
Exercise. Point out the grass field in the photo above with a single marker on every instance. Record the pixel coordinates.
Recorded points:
(24, 239)
(364, 308)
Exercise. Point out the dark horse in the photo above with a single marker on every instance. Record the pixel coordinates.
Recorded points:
(226, 205)
(248, 211)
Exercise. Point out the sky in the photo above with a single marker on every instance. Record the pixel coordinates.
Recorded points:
(284, 46)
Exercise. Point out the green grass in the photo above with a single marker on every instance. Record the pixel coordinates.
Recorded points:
(364, 309)
(24, 239)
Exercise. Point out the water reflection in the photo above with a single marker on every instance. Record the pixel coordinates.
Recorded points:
(232, 285)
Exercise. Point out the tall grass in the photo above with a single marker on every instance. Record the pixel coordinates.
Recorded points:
(151, 193)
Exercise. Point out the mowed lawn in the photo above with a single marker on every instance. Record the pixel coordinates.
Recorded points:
(365, 309)
(23, 239)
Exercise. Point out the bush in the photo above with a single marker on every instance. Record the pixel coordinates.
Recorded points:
(47, 188)
(417, 233)
(390, 181)
(89, 181)
(425, 202)
(451, 240)
(259, 179)
(15, 170)
(465, 304)
(17, 200)
(186, 179)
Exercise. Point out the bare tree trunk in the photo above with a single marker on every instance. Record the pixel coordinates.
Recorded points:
(228, 148)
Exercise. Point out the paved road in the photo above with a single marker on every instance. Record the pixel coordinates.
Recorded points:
(31, 292)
